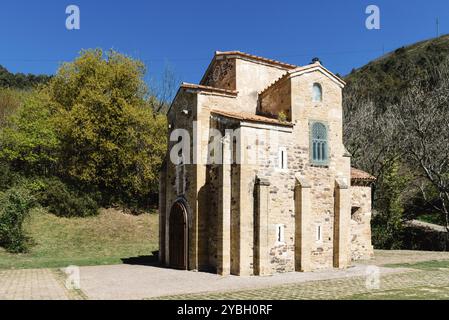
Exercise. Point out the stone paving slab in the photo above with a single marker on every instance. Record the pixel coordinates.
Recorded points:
(345, 288)
(31, 284)
(146, 282)
(139, 282)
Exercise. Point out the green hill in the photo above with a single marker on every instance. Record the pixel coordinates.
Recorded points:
(383, 80)
(20, 80)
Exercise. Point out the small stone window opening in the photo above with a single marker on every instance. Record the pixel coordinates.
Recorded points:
(317, 93)
(283, 158)
(280, 237)
(319, 233)
(356, 214)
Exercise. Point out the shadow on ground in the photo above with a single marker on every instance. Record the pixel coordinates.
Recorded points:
(150, 260)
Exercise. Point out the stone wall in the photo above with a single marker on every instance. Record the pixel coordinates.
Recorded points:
(253, 78)
(322, 179)
(181, 182)
(361, 247)
(266, 141)
(277, 99)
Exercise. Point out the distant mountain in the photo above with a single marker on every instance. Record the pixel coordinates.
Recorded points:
(20, 80)
(383, 80)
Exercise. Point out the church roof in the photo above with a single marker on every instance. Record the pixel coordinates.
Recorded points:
(243, 116)
(361, 176)
(256, 58)
(199, 87)
(304, 69)
(247, 56)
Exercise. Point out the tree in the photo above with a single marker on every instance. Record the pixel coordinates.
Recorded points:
(387, 224)
(164, 91)
(110, 136)
(368, 135)
(422, 130)
(20, 80)
(9, 103)
(28, 140)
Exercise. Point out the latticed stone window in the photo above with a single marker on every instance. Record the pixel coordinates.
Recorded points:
(319, 144)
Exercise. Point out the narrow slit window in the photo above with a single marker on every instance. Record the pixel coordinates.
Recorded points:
(319, 233)
(282, 158)
(280, 233)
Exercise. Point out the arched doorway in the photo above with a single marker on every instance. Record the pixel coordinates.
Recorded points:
(178, 238)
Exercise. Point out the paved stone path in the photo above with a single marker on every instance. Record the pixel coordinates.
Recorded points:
(345, 288)
(33, 284)
(150, 282)
(140, 282)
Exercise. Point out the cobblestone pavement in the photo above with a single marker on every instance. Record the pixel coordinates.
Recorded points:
(390, 286)
(150, 282)
(141, 282)
(34, 284)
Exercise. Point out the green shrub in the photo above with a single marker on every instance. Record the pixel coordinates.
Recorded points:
(282, 117)
(64, 201)
(15, 205)
(7, 176)
(387, 223)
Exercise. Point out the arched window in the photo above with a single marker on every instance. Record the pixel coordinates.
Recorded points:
(317, 92)
(319, 145)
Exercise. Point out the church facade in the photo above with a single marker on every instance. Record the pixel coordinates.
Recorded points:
(257, 180)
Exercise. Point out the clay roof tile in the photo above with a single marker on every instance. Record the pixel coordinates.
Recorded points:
(243, 116)
(359, 175)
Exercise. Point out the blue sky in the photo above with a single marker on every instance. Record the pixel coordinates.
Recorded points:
(184, 34)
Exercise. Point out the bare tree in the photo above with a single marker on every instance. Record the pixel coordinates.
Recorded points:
(164, 89)
(368, 135)
(422, 132)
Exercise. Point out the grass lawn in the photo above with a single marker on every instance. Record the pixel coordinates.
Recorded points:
(433, 265)
(430, 292)
(104, 239)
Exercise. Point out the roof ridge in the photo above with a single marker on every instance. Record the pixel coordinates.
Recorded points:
(208, 88)
(246, 116)
(274, 83)
(298, 69)
(252, 56)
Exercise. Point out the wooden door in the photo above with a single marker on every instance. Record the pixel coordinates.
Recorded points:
(178, 237)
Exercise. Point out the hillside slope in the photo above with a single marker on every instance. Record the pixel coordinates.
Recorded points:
(383, 80)
(107, 238)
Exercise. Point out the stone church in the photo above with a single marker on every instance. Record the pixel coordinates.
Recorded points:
(262, 182)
